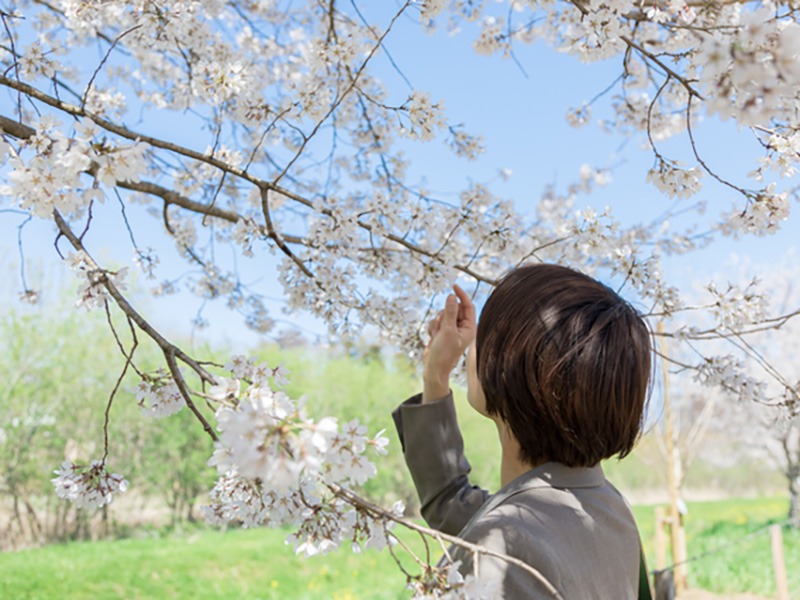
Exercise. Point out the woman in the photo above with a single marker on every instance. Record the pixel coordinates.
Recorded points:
(561, 364)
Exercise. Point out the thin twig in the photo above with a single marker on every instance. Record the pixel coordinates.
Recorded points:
(102, 62)
(128, 362)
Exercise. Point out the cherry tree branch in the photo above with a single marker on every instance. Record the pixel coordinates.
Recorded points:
(371, 508)
(171, 197)
(278, 238)
(170, 351)
(647, 55)
(128, 134)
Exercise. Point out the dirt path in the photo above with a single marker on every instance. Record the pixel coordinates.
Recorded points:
(704, 595)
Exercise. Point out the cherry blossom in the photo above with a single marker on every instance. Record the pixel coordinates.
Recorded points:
(265, 436)
(88, 486)
(159, 397)
(448, 583)
(674, 181)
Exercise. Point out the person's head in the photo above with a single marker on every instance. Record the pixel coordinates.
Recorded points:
(564, 362)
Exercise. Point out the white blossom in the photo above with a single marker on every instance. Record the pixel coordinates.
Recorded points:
(425, 116)
(738, 306)
(674, 181)
(761, 216)
(729, 373)
(87, 486)
(276, 465)
(578, 117)
(159, 397)
(447, 583)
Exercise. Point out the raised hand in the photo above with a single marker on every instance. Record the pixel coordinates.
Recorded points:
(451, 332)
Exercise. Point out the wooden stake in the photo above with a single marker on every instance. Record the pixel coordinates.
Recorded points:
(781, 582)
(676, 518)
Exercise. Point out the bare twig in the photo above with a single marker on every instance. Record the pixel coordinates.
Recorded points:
(128, 362)
(102, 62)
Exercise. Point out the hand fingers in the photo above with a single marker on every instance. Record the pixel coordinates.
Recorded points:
(434, 324)
(450, 313)
(466, 310)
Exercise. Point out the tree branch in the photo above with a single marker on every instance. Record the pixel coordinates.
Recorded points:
(376, 510)
(171, 352)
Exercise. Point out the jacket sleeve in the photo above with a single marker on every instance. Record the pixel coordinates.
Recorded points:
(434, 452)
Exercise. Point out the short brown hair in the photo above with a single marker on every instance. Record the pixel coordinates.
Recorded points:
(565, 362)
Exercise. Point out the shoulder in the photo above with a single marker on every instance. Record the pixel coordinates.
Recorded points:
(501, 535)
(526, 525)
(574, 537)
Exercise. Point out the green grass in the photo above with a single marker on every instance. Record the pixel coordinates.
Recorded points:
(256, 564)
(735, 563)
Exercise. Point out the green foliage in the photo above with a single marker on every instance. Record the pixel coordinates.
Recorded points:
(43, 373)
(645, 470)
(57, 372)
(174, 464)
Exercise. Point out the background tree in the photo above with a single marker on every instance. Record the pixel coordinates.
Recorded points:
(756, 429)
(51, 408)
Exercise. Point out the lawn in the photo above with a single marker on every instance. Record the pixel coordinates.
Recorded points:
(202, 565)
(736, 561)
(256, 564)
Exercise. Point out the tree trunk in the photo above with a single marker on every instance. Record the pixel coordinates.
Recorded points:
(34, 524)
(794, 497)
(190, 510)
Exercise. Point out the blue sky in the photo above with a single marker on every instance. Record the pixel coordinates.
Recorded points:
(522, 120)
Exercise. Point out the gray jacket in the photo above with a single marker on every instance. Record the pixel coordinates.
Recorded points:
(570, 524)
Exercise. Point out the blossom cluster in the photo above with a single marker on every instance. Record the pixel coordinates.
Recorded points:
(762, 215)
(280, 467)
(670, 179)
(47, 169)
(730, 373)
(737, 306)
(447, 583)
(93, 292)
(425, 117)
(89, 486)
(321, 522)
(158, 396)
(266, 436)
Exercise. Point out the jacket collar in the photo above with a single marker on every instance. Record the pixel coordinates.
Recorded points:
(550, 474)
(558, 475)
